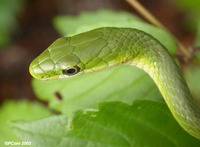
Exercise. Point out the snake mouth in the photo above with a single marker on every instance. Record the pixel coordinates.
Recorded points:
(38, 73)
(32, 71)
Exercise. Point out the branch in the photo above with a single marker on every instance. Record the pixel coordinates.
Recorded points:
(150, 18)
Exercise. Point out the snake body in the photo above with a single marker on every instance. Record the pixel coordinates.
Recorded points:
(103, 48)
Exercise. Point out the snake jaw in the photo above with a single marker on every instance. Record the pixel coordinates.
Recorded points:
(35, 71)
(39, 74)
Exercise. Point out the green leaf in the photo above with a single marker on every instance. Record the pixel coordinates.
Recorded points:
(47, 132)
(21, 110)
(115, 124)
(191, 74)
(90, 20)
(70, 25)
(122, 83)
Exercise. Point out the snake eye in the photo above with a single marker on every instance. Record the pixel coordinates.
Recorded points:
(71, 71)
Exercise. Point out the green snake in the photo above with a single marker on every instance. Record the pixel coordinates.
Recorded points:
(104, 48)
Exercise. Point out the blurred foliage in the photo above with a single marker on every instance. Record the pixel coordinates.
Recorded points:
(191, 74)
(9, 9)
(104, 18)
(192, 6)
(192, 11)
(20, 110)
(197, 40)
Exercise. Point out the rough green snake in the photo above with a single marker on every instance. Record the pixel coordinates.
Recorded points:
(104, 48)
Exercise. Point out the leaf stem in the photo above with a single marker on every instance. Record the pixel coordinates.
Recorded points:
(149, 17)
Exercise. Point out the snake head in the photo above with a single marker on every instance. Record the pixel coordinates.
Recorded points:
(56, 62)
(69, 56)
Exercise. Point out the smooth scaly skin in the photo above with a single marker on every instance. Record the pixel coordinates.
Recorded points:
(106, 47)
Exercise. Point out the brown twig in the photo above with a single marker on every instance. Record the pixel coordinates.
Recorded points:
(150, 18)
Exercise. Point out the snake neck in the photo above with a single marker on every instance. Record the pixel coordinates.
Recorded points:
(142, 50)
(156, 61)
